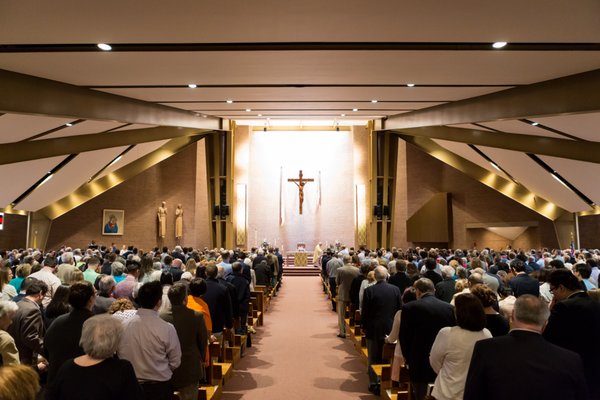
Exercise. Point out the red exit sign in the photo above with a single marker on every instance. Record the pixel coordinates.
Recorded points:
(1, 221)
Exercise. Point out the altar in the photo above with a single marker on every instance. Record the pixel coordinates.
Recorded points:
(300, 258)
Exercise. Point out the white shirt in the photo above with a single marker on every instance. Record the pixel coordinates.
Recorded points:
(151, 345)
(450, 358)
(47, 276)
(394, 336)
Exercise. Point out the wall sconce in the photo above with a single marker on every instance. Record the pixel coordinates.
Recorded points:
(240, 213)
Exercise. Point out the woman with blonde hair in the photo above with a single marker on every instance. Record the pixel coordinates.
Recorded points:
(7, 292)
(19, 382)
(190, 266)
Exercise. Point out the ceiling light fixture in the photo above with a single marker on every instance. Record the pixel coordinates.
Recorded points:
(560, 180)
(248, 109)
(229, 101)
(116, 160)
(192, 86)
(535, 123)
(495, 166)
(68, 124)
(343, 115)
(499, 45)
(260, 115)
(373, 101)
(355, 109)
(46, 180)
(104, 46)
(410, 84)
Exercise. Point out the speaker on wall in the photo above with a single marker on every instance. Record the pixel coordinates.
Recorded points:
(216, 211)
(224, 211)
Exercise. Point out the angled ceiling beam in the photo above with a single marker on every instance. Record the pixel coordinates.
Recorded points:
(567, 95)
(26, 94)
(96, 187)
(515, 191)
(564, 148)
(43, 148)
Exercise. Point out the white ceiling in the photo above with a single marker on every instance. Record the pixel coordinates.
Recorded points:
(299, 85)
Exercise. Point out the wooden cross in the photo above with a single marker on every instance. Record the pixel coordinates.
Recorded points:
(300, 183)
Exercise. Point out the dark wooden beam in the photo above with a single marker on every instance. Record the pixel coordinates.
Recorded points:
(26, 94)
(567, 95)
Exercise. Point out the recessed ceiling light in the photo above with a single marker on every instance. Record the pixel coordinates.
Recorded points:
(499, 45)
(410, 84)
(229, 101)
(192, 86)
(68, 124)
(260, 115)
(373, 101)
(104, 46)
(535, 123)
(204, 116)
(343, 115)
(248, 109)
(355, 109)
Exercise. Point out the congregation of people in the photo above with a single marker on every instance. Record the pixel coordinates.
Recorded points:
(108, 323)
(474, 324)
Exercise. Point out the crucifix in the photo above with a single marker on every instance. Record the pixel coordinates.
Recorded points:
(300, 183)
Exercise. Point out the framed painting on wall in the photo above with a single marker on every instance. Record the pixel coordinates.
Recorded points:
(113, 222)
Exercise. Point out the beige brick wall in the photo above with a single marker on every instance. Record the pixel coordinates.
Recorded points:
(472, 202)
(173, 180)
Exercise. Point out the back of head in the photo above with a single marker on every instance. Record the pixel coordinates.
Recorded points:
(486, 295)
(564, 277)
(80, 294)
(212, 271)
(107, 282)
(381, 274)
(585, 270)
(531, 310)
(197, 287)
(469, 312)
(150, 294)
(424, 285)
(447, 271)
(237, 267)
(35, 286)
(177, 294)
(18, 382)
(517, 265)
(49, 262)
(100, 336)
(430, 263)
(556, 263)
(475, 279)
(410, 294)
(166, 278)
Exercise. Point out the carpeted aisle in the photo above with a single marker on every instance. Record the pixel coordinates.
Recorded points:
(296, 354)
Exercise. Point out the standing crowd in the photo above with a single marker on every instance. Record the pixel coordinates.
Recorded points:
(475, 324)
(121, 323)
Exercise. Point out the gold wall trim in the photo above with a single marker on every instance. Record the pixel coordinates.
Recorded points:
(513, 190)
(96, 187)
(594, 211)
(564, 148)
(10, 210)
(577, 93)
(34, 95)
(44, 148)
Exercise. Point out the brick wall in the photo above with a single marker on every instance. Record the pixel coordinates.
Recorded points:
(14, 234)
(472, 202)
(173, 181)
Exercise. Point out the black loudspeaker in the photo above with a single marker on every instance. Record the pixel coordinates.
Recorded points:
(386, 211)
(224, 211)
(378, 210)
(216, 211)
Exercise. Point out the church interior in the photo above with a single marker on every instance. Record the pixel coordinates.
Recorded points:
(463, 127)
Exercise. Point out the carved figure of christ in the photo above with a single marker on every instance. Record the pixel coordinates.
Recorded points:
(300, 182)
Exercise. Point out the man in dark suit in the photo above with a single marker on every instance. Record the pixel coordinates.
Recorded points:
(574, 324)
(193, 338)
(522, 365)
(421, 321)
(430, 265)
(522, 283)
(27, 327)
(400, 279)
(380, 303)
(219, 303)
(445, 289)
(263, 273)
(62, 338)
(242, 290)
